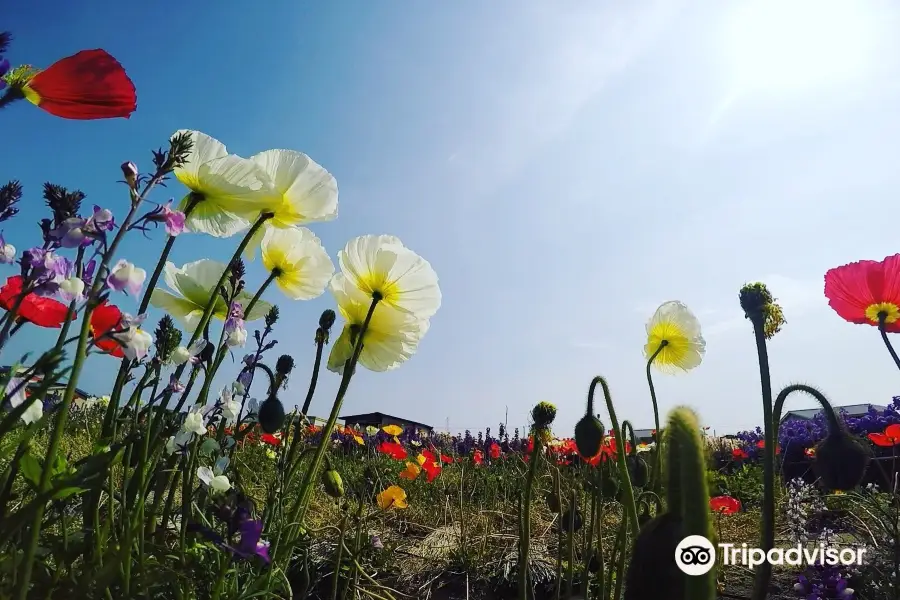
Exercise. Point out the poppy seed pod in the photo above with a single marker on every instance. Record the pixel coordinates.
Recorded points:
(609, 486)
(543, 415)
(589, 436)
(271, 415)
(841, 461)
(594, 563)
(638, 470)
(654, 552)
(334, 485)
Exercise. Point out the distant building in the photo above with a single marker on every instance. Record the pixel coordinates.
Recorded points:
(57, 388)
(377, 419)
(644, 436)
(851, 410)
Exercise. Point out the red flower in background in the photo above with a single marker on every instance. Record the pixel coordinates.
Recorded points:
(104, 319)
(495, 451)
(478, 457)
(725, 505)
(88, 85)
(392, 449)
(43, 312)
(866, 292)
(431, 466)
(268, 438)
(890, 437)
(739, 454)
(762, 444)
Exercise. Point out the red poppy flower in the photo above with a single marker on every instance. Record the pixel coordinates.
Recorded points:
(431, 466)
(88, 85)
(478, 457)
(810, 452)
(392, 449)
(268, 438)
(725, 505)
(43, 312)
(866, 291)
(739, 454)
(762, 444)
(105, 318)
(495, 450)
(890, 437)
(596, 459)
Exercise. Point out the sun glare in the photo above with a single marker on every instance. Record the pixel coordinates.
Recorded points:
(796, 45)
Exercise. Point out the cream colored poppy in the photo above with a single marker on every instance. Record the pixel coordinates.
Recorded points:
(380, 265)
(300, 263)
(675, 328)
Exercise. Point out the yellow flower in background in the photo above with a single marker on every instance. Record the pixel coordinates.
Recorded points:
(421, 459)
(411, 471)
(230, 187)
(192, 285)
(271, 453)
(392, 497)
(301, 192)
(390, 340)
(392, 429)
(298, 261)
(674, 328)
(371, 430)
(382, 265)
(358, 440)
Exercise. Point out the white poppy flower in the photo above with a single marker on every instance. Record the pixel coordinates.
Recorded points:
(390, 340)
(675, 329)
(178, 441)
(381, 264)
(231, 409)
(300, 263)
(301, 192)
(192, 286)
(215, 483)
(72, 289)
(236, 338)
(194, 422)
(231, 186)
(182, 355)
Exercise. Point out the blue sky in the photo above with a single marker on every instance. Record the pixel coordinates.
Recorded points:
(565, 167)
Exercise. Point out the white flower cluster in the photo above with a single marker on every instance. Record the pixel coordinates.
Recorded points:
(802, 501)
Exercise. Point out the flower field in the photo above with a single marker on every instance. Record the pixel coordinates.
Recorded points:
(169, 486)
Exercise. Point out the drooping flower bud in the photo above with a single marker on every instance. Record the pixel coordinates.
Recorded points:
(654, 553)
(638, 470)
(271, 415)
(334, 485)
(589, 432)
(553, 502)
(760, 306)
(325, 323)
(571, 520)
(130, 171)
(284, 365)
(543, 415)
(841, 460)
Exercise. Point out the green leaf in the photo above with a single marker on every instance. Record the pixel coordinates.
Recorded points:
(31, 469)
(59, 465)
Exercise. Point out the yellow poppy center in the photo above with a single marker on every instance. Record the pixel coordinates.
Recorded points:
(375, 282)
(676, 346)
(891, 312)
(31, 95)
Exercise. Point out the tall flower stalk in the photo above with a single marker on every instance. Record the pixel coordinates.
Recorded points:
(767, 319)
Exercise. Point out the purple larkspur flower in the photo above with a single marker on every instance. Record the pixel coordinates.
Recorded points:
(173, 219)
(102, 220)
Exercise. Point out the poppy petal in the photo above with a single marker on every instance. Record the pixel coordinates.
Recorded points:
(88, 85)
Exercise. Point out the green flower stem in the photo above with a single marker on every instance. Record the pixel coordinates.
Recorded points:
(272, 277)
(767, 541)
(655, 470)
(684, 427)
(615, 574)
(525, 539)
(559, 536)
(624, 477)
(68, 396)
(887, 343)
(570, 527)
(320, 346)
(70, 312)
(298, 512)
(830, 415)
(336, 578)
(601, 592)
(589, 550)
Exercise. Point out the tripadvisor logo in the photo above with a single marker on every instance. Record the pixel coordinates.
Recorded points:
(696, 555)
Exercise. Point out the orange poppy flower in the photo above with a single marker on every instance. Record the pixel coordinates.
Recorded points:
(40, 311)
(890, 437)
(478, 457)
(866, 291)
(739, 454)
(411, 471)
(104, 319)
(88, 85)
(762, 444)
(392, 497)
(495, 450)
